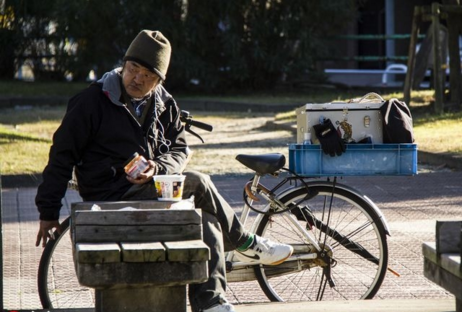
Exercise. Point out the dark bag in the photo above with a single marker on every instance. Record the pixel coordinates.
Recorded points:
(397, 122)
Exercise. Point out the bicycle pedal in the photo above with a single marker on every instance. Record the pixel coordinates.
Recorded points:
(229, 266)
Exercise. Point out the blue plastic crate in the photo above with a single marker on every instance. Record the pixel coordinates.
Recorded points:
(358, 160)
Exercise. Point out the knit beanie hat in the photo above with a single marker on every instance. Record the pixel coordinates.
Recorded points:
(151, 50)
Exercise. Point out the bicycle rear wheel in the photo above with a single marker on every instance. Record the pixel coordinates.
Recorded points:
(58, 286)
(356, 239)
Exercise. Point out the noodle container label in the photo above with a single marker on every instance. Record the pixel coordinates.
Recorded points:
(169, 187)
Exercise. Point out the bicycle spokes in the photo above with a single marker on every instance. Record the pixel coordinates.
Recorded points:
(351, 260)
(304, 214)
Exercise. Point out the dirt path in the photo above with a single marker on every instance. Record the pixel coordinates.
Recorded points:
(238, 134)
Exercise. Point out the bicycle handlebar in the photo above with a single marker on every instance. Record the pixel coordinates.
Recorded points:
(200, 125)
(187, 119)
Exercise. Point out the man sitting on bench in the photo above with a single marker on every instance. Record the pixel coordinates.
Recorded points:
(127, 111)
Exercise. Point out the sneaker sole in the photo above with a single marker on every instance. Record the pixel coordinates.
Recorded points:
(282, 260)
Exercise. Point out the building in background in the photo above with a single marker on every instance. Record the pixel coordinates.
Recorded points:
(367, 57)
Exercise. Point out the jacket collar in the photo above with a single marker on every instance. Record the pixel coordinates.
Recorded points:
(112, 88)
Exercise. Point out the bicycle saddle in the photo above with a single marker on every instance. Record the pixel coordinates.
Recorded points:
(264, 163)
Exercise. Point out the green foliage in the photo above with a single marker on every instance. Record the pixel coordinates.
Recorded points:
(217, 44)
(34, 39)
(101, 30)
(7, 56)
(256, 44)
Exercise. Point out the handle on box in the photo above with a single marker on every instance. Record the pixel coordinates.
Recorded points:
(369, 97)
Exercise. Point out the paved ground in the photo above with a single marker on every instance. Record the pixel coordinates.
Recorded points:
(410, 204)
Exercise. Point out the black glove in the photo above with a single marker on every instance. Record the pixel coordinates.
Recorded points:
(329, 139)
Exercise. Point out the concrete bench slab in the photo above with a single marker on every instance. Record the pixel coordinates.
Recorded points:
(143, 252)
(139, 258)
(442, 259)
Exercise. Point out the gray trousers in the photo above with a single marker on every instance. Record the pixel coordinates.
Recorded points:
(222, 232)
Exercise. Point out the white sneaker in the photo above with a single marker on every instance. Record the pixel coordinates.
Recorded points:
(221, 307)
(265, 251)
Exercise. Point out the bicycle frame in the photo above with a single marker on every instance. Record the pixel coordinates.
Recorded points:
(244, 271)
(310, 253)
(237, 266)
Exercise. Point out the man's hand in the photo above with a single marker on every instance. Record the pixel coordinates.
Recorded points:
(146, 176)
(45, 231)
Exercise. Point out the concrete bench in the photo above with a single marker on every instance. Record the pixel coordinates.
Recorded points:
(140, 258)
(442, 259)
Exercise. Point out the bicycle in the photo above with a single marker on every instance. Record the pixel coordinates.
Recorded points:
(338, 235)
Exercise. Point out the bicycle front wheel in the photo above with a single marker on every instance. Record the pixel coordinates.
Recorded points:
(58, 285)
(349, 229)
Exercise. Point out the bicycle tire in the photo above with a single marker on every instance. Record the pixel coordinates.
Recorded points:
(58, 286)
(355, 276)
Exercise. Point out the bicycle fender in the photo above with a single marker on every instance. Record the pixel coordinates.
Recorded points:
(379, 213)
(377, 210)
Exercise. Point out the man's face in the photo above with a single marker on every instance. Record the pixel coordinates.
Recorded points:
(138, 81)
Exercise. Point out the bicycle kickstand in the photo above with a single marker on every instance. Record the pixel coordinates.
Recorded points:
(327, 270)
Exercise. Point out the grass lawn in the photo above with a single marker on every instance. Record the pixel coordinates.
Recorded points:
(24, 88)
(25, 134)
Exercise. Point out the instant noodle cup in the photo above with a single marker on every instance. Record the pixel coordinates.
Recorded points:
(169, 187)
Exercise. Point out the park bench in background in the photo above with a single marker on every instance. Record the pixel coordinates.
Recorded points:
(139, 258)
(442, 259)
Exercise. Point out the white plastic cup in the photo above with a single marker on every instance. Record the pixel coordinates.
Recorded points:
(169, 187)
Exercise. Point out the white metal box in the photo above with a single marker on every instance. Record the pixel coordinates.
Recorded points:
(354, 121)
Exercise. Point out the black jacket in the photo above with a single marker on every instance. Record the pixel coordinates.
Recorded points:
(99, 134)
